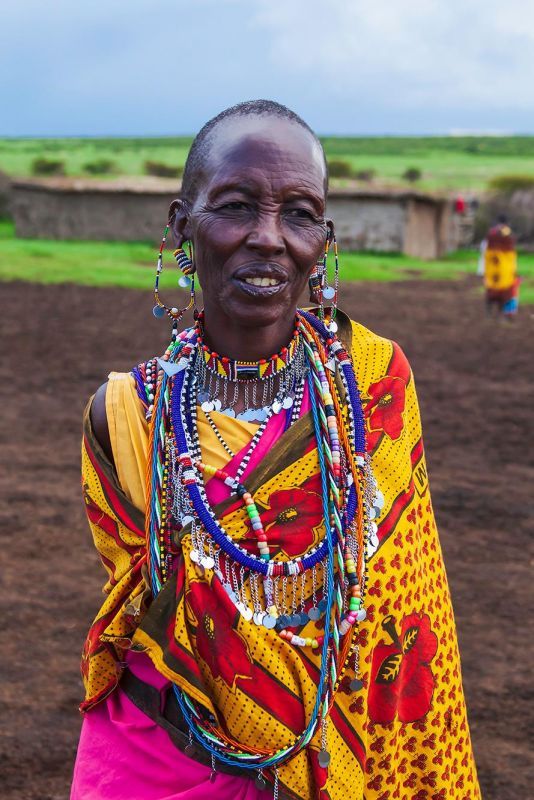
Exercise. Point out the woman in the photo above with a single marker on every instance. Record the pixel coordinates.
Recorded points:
(500, 269)
(277, 614)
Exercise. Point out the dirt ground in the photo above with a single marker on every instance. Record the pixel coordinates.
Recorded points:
(474, 380)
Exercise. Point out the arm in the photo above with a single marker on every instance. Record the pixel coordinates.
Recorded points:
(99, 421)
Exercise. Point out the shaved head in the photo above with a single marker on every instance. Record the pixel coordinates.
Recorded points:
(199, 153)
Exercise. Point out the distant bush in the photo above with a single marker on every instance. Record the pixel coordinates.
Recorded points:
(161, 170)
(365, 175)
(337, 168)
(412, 175)
(508, 184)
(46, 166)
(103, 166)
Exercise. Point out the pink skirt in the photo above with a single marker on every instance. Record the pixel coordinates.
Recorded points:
(124, 755)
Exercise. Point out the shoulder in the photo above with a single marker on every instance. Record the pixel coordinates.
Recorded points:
(375, 357)
(120, 394)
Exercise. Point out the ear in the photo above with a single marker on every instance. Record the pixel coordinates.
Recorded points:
(179, 222)
(330, 232)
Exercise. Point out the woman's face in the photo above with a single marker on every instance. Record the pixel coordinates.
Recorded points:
(257, 222)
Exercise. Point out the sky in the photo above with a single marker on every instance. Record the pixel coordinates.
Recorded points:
(164, 67)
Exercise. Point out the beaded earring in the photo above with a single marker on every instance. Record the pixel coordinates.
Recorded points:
(320, 289)
(186, 281)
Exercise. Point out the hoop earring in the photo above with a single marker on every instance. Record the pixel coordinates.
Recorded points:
(186, 280)
(320, 289)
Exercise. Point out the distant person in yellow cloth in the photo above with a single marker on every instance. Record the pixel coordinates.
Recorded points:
(498, 265)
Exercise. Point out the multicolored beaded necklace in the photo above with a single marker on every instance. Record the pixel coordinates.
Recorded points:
(349, 497)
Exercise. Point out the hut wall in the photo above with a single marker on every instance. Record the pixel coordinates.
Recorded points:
(368, 223)
(105, 216)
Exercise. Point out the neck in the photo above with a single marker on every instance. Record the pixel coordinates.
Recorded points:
(246, 343)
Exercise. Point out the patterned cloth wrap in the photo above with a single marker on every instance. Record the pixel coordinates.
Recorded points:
(500, 269)
(405, 734)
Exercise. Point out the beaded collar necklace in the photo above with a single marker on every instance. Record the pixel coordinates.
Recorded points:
(258, 585)
(227, 384)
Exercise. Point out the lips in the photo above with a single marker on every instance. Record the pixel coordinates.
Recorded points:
(263, 279)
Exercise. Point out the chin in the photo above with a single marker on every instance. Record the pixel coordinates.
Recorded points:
(258, 312)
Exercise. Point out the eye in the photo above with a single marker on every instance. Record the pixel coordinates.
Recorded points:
(235, 205)
(300, 213)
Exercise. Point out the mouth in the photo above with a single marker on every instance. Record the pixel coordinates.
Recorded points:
(261, 280)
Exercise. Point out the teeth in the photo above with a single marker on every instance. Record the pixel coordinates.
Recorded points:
(262, 281)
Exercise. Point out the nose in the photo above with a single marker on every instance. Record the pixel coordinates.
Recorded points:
(266, 237)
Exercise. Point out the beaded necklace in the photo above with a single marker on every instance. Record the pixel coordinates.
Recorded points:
(349, 498)
(224, 383)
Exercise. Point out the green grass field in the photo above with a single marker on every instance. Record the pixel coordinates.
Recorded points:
(132, 264)
(447, 163)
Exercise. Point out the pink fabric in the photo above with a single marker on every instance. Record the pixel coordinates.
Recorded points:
(124, 755)
(216, 490)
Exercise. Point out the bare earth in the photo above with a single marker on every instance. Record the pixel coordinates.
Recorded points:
(474, 380)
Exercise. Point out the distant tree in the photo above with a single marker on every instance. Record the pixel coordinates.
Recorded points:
(161, 170)
(103, 166)
(507, 184)
(412, 175)
(45, 166)
(337, 168)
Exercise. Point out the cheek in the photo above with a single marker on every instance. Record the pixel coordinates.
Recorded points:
(307, 247)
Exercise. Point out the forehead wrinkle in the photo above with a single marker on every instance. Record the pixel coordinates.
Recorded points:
(279, 182)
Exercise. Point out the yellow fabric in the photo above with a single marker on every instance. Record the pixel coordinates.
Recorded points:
(500, 269)
(128, 432)
(426, 756)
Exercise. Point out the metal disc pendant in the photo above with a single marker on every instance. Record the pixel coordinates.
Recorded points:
(194, 556)
(356, 684)
(258, 617)
(379, 499)
(187, 520)
(314, 614)
(217, 405)
(158, 312)
(283, 621)
(207, 406)
(245, 611)
(329, 292)
(361, 615)
(260, 783)
(332, 327)
(277, 406)
(184, 282)
(374, 540)
(323, 758)
(321, 605)
(208, 562)
(287, 402)
(269, 621)
(229, 412)
(304, 618)
(294, 621)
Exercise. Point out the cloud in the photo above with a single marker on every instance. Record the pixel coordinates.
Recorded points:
(409, 52)
(163, 66)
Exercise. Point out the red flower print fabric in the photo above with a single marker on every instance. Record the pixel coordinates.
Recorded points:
(384, 409)
(218, 643)
(402, 682)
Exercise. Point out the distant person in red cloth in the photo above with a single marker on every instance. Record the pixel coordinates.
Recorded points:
(498, 265)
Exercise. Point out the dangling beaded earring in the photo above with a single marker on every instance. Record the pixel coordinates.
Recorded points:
(186, 280)
(320, 289)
